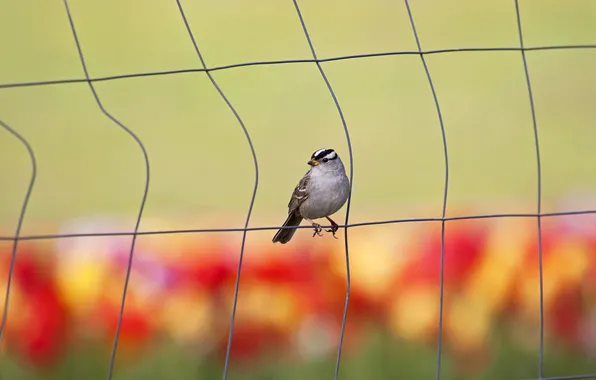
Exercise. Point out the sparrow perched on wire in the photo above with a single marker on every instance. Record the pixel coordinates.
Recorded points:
(322, 191)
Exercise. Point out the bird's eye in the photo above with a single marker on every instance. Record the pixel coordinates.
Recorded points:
(325, 159)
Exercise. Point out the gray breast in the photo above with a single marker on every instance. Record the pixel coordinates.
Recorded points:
(327, 193)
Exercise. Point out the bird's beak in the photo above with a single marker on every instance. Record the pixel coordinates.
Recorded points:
(313, 162)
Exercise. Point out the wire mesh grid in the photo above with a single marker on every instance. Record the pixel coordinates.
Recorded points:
(318, 62)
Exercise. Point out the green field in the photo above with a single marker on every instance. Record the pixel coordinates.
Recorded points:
(200, 160)
(379, 358)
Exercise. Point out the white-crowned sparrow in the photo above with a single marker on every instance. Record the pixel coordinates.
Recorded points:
(320, 193)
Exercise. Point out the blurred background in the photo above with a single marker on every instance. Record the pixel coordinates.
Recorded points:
(90, 178)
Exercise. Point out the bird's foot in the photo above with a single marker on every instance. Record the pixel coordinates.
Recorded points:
(318, 229)
(334, 228)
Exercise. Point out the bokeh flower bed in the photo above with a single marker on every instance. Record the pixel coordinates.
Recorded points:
(67, 291)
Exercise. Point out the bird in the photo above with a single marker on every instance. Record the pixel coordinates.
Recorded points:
(321, 192)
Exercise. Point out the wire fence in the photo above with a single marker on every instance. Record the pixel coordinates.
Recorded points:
(318, 62)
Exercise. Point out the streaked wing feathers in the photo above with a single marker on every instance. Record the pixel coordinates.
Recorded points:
(299, 195)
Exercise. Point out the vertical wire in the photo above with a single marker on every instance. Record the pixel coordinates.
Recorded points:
(13, 257)
(445, 192)
(539, 188)
(347, 133)
(253, 196)
(145, 190)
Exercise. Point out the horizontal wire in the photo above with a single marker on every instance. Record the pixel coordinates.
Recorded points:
(295, 61)
(570, 377)
(270, 228)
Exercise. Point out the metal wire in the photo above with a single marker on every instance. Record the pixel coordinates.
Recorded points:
(570, 377)
(254, 192)
(274, 228)
(296, 61)
(445, 192)
(539, 190)
(318, 61)
(17, 233)
(145, 190)
(347, 133)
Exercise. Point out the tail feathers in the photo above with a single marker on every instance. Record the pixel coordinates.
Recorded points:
(284, 235)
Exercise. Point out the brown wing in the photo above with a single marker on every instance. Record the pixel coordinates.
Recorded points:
(299, 195)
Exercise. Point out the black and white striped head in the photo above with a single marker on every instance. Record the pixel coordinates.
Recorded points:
(325, 158)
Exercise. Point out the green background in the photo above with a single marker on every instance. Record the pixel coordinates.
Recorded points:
(201, 165)
(200, 161)
(378, 358)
